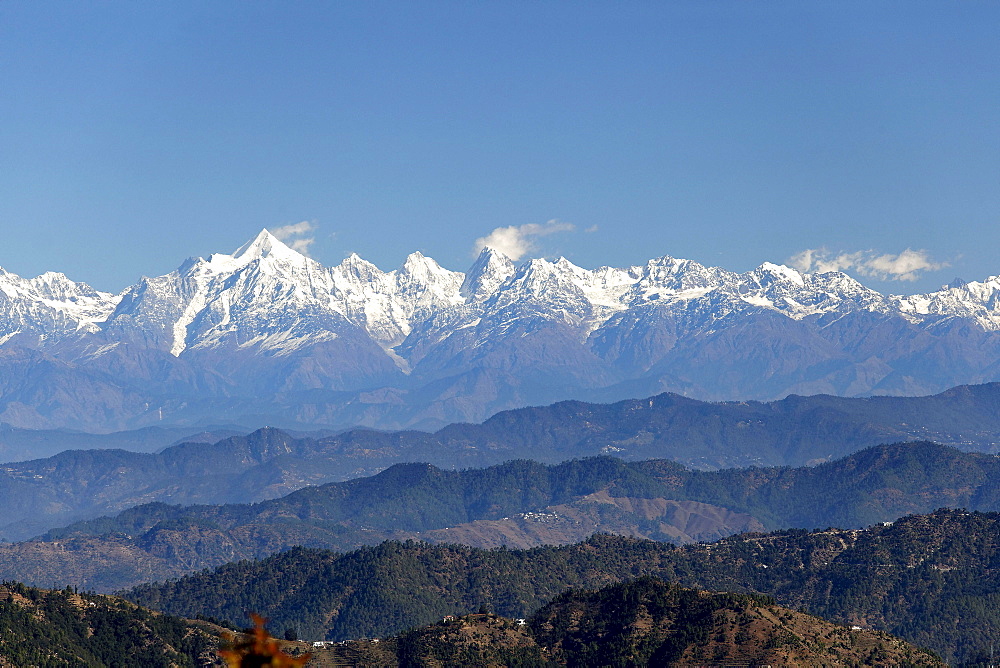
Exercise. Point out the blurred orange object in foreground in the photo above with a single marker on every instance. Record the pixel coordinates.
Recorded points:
(258, 650)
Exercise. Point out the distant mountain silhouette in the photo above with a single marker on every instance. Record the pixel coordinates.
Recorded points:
(46, 493)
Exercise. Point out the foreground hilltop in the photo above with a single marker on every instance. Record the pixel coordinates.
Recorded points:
(641, 622)
(66, 628)
(645, 622)
(266, 335)
(930, 579)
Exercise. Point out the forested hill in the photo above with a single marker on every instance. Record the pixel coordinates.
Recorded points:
(933, 579)
(930, 579)
(66, 628)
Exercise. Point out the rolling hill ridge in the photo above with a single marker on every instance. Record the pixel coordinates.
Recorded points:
(518, 504)
(644, 622)
(77, 485)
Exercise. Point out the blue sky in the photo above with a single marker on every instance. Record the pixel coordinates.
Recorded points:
(136, 134)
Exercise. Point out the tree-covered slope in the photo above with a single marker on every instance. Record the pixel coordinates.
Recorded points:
(64, 628)
(931, 579)
(649, 622)
(380, 590)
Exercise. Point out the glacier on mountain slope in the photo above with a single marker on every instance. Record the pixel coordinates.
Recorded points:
(50, 308)
(510, 333)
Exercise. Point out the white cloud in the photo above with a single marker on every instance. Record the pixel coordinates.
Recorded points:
(821, 260)
(294, 235)
(905, 266)
(516, 241)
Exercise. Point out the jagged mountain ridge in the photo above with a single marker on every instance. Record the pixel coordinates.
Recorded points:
(268, 335)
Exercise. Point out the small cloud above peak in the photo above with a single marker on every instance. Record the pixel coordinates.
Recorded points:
(908, 265)
(295, 235)
(516, 241)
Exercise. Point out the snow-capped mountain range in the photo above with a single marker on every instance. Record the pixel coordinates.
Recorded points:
(267, 334)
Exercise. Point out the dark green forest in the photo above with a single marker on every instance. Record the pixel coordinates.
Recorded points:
(931, 579)
(63, 628)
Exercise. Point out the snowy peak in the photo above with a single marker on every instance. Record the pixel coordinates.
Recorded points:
(208, 302)
(555, 289)
(57, 286)
(421, 270)
(976, 300)
(357, 270)
(265, 251)
(770, 273)
(666, 276)
(540, 277)
(50, 306)
(265, 245)
(417, 260)
(386, 304)
(269, 293)
(422, 278)
(51, 285)
(486, 274)
(798, 295)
